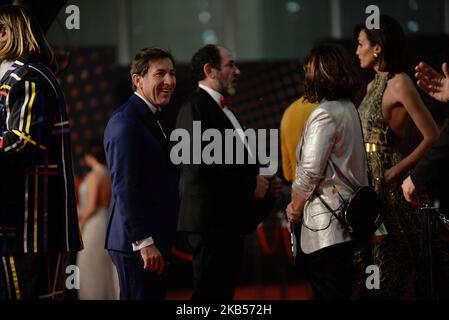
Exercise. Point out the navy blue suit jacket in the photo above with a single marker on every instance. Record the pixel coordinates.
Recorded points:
(145, 196)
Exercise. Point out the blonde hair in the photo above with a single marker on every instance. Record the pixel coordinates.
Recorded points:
(26, 37)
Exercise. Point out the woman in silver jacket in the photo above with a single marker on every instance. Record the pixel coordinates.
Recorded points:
(331, 164)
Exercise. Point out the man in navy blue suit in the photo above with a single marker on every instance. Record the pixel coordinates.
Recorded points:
(145, 197)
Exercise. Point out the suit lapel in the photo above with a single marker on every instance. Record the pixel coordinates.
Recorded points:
(210, 107)
(215, 117)
(145, 115)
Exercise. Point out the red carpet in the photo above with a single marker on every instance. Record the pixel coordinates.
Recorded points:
(267, 292)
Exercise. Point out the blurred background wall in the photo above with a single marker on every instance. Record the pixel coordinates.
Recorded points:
(254, 29)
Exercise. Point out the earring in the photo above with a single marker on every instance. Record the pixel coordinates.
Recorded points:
(375, 55)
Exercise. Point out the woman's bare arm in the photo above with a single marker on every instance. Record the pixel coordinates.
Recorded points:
(405, 93)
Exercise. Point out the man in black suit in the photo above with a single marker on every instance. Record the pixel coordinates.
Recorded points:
(431, 174)
(145, 196)
(220, 203)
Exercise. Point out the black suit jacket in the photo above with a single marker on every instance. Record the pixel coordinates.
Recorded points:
(217, 197)
(145, 195)
(431, 175)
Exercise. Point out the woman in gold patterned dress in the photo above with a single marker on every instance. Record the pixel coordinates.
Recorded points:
(390, 103)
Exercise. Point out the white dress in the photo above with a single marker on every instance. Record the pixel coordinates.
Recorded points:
(98, 276)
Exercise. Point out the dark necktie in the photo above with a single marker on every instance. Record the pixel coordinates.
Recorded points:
(157, 115)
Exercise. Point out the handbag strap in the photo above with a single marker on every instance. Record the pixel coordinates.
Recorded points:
(344, 224)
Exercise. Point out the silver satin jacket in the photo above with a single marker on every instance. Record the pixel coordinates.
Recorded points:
(330, 156)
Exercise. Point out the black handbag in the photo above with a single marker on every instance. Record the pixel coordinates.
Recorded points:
(361, 215)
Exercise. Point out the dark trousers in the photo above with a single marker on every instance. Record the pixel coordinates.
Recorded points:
(331, 271)
(135, 282)
(216, 265)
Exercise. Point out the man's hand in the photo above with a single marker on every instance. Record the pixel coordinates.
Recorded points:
(262, 186)
(152, 259)
(432, 82)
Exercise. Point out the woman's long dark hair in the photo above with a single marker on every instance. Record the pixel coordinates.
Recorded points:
(391, 38)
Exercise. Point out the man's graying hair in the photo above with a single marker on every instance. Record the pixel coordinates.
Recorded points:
(144, 57)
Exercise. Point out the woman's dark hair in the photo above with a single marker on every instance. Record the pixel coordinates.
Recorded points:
(391, 38)
(330, 74)
(96, 150)
(209, 54)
